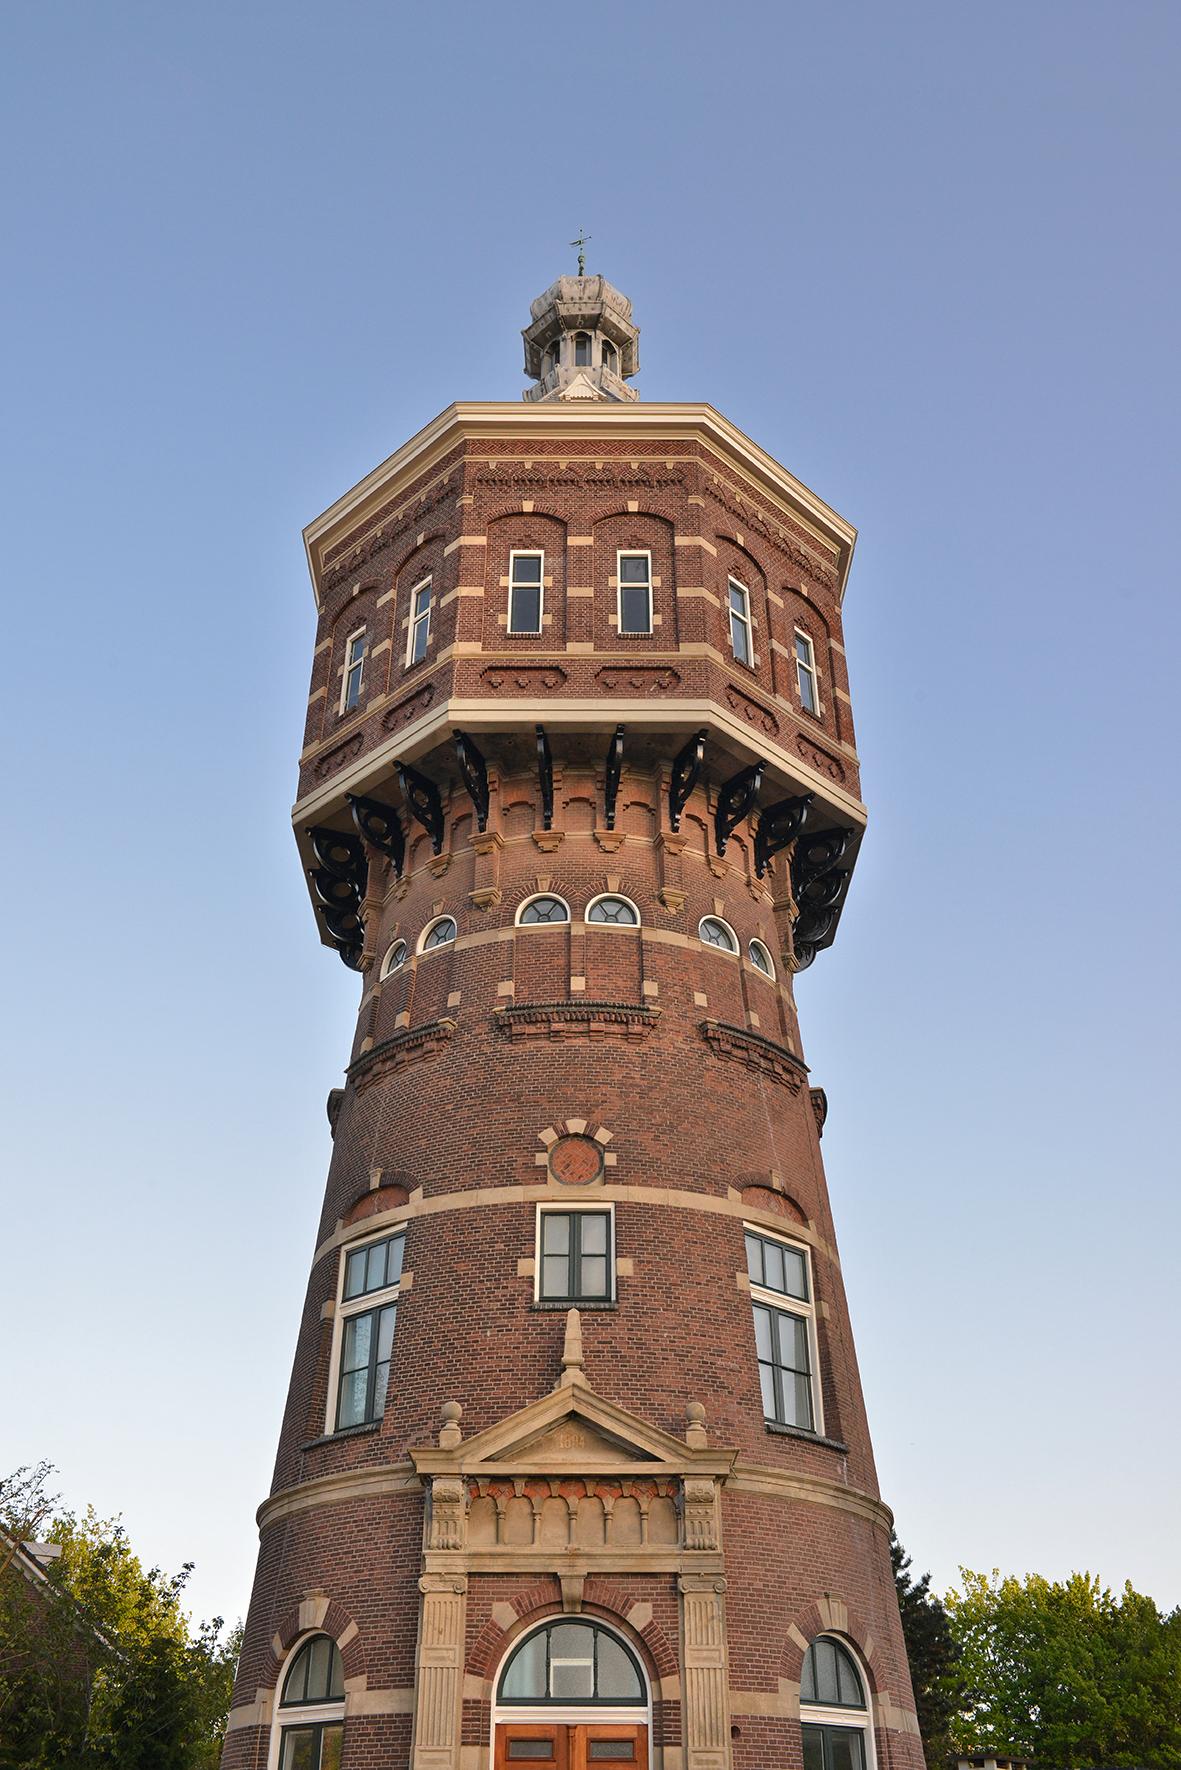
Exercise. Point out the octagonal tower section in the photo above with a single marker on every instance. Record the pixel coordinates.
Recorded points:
(578, 796)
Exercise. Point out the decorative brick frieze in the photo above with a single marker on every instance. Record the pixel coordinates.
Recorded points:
(578, 1020)
(751, 1049)
(411, 1046)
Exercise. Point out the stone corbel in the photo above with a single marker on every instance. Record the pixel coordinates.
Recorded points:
(487, 846)
(700, 1497)
(670, 846)
(448, 1513)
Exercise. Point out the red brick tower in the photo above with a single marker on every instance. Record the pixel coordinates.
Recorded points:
(575, 1466)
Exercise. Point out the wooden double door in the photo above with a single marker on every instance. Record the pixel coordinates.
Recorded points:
(571, 1745)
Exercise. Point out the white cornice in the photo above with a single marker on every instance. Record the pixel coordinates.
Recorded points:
(664, 422)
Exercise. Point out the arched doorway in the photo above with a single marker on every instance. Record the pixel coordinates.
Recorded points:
(571, 1695)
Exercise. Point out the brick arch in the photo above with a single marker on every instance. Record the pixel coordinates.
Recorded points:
(830, 1616)
(603, 1601)
(403, 559)
(386, 1197)
(336, 1621)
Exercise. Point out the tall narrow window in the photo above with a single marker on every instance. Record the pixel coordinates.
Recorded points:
(806, 673)
(525, 592)
(555, 354)
(311, 1708)
(574, 1257)
(370, 1281)
(635, 592)
(834, 1714)
(610, 357)
(354, 670)
(420, 622)
(781, 1294)
(582, 350)
(741, 643)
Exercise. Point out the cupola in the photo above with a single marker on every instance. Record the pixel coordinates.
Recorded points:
(581, 343)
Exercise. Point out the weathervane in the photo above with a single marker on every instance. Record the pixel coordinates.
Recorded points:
(580, 242)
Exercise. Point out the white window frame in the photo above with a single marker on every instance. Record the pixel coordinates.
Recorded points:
(355, 1306)
(414, 622)
(622, 553)
(791, 1306)
(744, 619)
(807, 668)
(607, 1714)
(567, 1207)
(532, 898)
(352, 663)
(769, 973)
(422, 948)
(387, 967)
(516, 553)
(618, 897)
(734, 952)
(305, 1714)
(853, 1720)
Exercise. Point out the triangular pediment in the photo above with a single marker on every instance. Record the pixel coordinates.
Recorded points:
(581, 387)
(570, 1429)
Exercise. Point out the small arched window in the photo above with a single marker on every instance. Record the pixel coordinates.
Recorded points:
(440, 932)
(572, 1662)
(582, 350)
(610, 357)
(311, 1708)
(761, 958)
(834, 1713)
(714, 932)
(394, 960)
(554, 357)
(543, 909)
(613, 912)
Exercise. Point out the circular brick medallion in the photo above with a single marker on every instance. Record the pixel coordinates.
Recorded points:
(575, 1161)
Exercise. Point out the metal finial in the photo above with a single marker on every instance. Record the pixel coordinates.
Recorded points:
(581, 242)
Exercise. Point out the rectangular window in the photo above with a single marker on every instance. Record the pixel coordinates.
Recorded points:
(367, 1311)
(741, 642)
(833, 1748)
(525, 593)
(781, 1295)
(420, 622)
(315, 1747)
(806, 673)
(635, 592)
(354, 670)
(574, 1262)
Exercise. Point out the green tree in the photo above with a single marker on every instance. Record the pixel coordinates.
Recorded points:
(98, 1667)
(931, 1653)
(1066, 1672)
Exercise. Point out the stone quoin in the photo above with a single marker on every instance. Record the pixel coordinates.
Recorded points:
(575, 1467)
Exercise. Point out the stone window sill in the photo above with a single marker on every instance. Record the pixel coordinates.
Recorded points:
(361, 1431)
(550, 1308)
(781, 1431)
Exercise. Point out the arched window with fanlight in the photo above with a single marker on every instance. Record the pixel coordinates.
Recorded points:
(834, 1709)
(572, 1662)
(582, 350)
(310, 1719)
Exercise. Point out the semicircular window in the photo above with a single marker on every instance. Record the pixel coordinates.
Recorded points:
(440, 933)
(572, 1662)
(829, 1677)
(545, 909)
(316, 1674)
(715, 932)
(616, 912)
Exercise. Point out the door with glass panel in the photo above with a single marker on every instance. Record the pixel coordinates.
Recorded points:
(571, 1745)
(572, 1695)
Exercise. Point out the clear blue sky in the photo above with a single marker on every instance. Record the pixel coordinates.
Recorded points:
(927, 255)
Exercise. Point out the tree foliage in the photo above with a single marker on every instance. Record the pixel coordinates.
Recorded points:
(931, 1652)
(99, 1669)
(1066, 1672)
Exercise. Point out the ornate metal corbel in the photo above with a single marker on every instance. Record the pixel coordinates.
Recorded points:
(545, 775)
(344, 922)
(685, 775)
(423, 801)
(340, 854)
(815, 855)
(611, 777)
(735, 800)
(779, 825)
(380, 826)
(331, 889)
(474, 770)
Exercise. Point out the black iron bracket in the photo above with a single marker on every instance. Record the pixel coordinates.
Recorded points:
(381, 827)
(474, 770)
(779, 825)
(736, 800)
(545, 775)
(611, 776)
(685, 775)
(423, 802)
(340, 854)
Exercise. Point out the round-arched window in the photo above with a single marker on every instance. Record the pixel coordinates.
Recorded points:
(714, 932)
(582, 350)
(610, 359)
(833, 1710)
(761, 959)
(394, 960)
(572, 1662)
(311, 1708)
(438, 933)
(543, 909)
(613, 912)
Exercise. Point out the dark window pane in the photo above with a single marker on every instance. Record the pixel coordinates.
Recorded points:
(351, 1410)
(773, 1264)
(762, 1331)
(299, 1748)
(617, 1676)
(633, 568)
(331, 1741)
(618, 1751)
(849, 1682)
(739, 640)
(375, 1267)
(524, 1676)
(827, 1687)
(525, 610)
(754, 1259)
(808, 1678)
(801, 1388)
(394, 1264)
(422, 600)
(357, 1333)
(295, 1687)
(354, 1274)
(846, 1748)
(793, 1342)
(813, 1748)
(527, 568)
(545, 1749)
(582, 350)
(635, 615)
